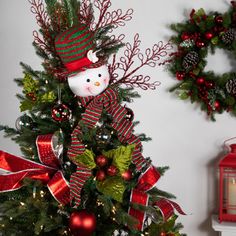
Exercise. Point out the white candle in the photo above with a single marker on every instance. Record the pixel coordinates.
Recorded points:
(232, 195)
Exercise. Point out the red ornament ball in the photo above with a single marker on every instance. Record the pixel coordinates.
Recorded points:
(111, 170)
(127, 175)
(200, 44)
(60, 112)
(219, 19)
(180, 75)
(101, 175)
(82, 223)
(162, 234)
(101, 161)
(208, 35)
(200, 80)
(217, 105)
(185, 35)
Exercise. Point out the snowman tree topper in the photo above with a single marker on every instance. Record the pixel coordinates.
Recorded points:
(87, 74)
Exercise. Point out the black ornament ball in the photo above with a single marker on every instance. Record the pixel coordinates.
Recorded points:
(24, 121)
(60, 112)
(129, 115)
(103, 136)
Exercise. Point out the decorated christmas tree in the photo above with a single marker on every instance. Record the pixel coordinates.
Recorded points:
(82, 171)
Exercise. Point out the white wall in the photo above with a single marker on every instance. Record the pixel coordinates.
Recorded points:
(183, 138)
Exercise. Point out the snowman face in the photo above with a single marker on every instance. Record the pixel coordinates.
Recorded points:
(90, 82)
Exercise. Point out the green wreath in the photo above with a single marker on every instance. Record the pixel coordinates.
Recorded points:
(215, 93)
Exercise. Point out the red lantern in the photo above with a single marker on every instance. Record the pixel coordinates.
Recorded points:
(227, 191)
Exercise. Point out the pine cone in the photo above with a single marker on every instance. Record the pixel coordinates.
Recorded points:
(229, 36)
(190, 60)
(231, 86)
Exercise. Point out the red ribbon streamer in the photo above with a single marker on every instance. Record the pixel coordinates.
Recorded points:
(167, 208)
(139, 196)
(21, 168)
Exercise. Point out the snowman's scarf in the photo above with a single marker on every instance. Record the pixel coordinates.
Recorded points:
(109, 101)
(94, 106)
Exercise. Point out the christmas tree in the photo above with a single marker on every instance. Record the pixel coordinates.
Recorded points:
(82, 170)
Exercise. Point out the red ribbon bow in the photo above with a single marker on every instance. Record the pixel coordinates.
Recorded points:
(48, 172)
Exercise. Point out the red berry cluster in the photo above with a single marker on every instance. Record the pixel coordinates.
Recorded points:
(203, 93)
(107, 169)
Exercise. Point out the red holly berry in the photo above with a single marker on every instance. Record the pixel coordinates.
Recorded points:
(217, 105)
(185, 35)
(101, 161)
(127, 175)
(101, 175)
(200, 43)
(208, 35)
(31, 96)
(111, 170)
(180, 75)
(200, 80)
(219, 19)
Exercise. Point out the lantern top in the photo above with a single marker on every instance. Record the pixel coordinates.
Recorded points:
(233, 148)
(229, 160)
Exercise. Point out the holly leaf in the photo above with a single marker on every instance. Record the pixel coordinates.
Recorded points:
(29, 84)
(183, 96)
(113, 187)
(186, 85)
(48, 97)
(122, 157)
(26, 105)
(215, 40)
(86, 159)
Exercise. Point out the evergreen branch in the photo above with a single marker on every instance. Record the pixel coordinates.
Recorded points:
(156, 194)
(143, 138)
(124, 218)
(72, 9)
(163, 169)
(27, 69)
(9, 132)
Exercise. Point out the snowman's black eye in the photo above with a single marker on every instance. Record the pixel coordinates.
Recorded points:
(88, 80)
(99, 75)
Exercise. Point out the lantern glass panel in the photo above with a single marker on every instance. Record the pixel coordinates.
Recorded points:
(229, 188)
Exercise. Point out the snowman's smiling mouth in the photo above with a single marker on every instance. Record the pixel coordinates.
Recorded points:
(96, 92)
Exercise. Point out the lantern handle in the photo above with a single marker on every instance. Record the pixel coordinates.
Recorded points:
(226, 145)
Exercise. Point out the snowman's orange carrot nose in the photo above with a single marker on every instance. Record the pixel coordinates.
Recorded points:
(97, 83)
